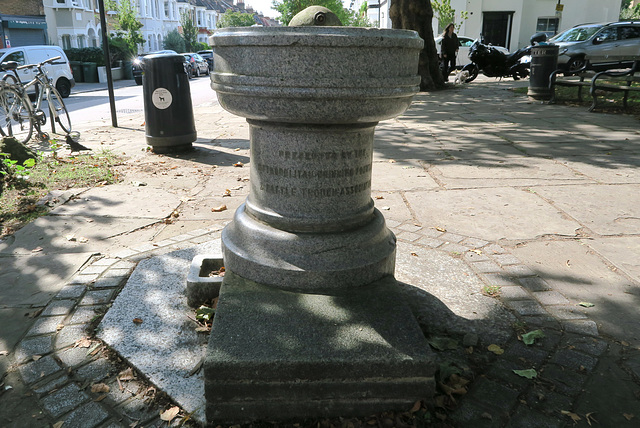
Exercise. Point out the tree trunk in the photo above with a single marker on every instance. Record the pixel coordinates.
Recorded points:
(417, 15)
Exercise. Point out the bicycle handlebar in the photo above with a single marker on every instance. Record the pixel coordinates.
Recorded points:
(46, 61)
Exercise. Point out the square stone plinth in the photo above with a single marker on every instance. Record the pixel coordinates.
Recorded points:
(277, 354)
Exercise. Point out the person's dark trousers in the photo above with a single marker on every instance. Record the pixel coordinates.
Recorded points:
(448, 64)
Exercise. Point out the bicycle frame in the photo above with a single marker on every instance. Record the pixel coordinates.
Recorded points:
(42, 84)
(44, 89)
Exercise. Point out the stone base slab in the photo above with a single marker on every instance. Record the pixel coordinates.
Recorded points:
(276, 354)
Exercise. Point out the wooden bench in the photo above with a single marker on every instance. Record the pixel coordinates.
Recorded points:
(579, 78)
(615, 81)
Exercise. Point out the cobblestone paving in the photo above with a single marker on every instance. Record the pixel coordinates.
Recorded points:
(60, 361)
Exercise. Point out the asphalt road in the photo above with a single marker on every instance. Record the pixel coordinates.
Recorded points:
(88, 109)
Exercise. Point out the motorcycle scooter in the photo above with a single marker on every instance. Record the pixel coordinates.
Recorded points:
(494, 63)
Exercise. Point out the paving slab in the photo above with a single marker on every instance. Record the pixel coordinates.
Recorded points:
(605, 209)
(165, 347)
(573, 270)
(34, 279)
(446, 294)
(491, 214)
(121, 200)
(502, 171)
(620, 250)
(607, 169)
(400, 176)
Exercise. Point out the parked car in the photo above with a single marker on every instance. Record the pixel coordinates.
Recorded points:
(196, 64)
(463, 52)
(605, 45)
(137, 64)
(59, 71)
(207, 55)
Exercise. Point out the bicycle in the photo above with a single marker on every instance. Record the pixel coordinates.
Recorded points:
(18, 116)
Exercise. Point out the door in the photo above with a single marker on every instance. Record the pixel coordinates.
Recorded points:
(629, 42)
(604, 46)
(496, 28)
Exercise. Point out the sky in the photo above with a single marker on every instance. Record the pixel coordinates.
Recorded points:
(263, 6)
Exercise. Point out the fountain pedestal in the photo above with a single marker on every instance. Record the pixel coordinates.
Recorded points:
(310, 321)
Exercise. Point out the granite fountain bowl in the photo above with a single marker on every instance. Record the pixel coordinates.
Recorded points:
(315, 74)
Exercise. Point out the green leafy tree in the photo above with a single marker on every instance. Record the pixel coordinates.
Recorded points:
(174, 41)
(126, 23)
(629, 13)
(446, 14)
(290, 8)
(189, 32)
(235, 19)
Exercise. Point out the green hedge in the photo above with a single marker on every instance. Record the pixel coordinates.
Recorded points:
(86, 55)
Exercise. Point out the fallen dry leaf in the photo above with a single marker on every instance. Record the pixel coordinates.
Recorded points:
(226, 193)
(85, 342)
(441, 229)
(628, 416)
(100, 387)
(219, 209)
(238, 164)
(36, 357)
(414, 254)
(169, 414)
(137, 321)
(126, 374)
(590, 418)
(379, 197)
(58, 424)
(37, 249)
(572, 415)
(416, 407)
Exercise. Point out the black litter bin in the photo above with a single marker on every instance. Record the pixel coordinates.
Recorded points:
(544, 61)
(168, 111)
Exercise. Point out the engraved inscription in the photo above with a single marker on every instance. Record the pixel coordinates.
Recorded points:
(310, 156)
(307, 192)
(313, 174)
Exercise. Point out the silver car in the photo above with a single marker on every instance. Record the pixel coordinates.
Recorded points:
(605, 45)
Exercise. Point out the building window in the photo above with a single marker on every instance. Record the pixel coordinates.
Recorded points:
(82, 41)
(549, 26)
(17, 56)
(66, 41)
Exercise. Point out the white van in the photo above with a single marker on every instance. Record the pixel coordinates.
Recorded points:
(59, 71)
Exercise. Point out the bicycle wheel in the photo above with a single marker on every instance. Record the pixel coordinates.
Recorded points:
(16, 119)
(58, 111)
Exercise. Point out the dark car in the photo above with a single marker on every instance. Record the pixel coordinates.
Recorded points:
(137, 64)
(196, 65)
(208, 55)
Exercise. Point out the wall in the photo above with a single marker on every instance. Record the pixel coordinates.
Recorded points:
(21, 7)
(527, 12)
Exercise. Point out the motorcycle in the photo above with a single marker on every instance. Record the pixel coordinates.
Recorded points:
(494, 63)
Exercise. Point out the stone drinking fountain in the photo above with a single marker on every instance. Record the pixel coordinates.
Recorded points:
(310, 321)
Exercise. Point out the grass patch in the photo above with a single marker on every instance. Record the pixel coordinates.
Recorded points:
(609, 102)
(20, 194)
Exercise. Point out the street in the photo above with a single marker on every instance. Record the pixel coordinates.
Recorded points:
(88, 109)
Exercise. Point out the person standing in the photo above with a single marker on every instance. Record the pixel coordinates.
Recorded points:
(449, 50)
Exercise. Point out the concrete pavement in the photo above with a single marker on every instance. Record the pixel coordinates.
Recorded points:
(483, 189)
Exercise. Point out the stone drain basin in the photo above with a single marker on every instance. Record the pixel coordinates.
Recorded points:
(202, 286)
